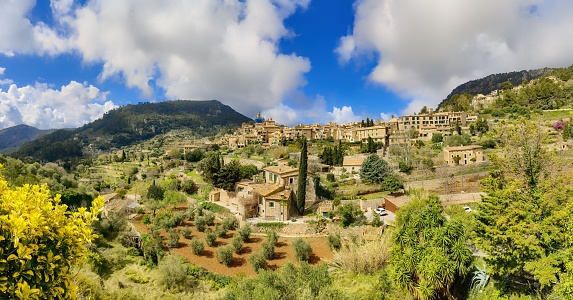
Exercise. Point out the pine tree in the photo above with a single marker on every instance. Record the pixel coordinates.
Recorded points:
(302, 169)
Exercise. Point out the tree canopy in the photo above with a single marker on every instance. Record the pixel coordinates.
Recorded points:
(374, 169)
(429, 253)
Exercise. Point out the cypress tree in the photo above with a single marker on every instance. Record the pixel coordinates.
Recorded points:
(302, 168)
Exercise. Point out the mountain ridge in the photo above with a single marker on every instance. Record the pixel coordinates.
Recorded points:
(134, 123)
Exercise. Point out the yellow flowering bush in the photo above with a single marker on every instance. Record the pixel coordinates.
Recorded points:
(40, 241)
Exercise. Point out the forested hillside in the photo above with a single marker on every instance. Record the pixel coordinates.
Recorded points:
(493, 82)
(132, 124)
(13, 137)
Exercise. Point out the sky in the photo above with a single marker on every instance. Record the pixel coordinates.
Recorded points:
(64, 63)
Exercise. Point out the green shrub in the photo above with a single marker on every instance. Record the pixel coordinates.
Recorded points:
(245, 232)
(146, 220)
(134, 276)
(334, 241)
(271, 225)
(197, 246)
(225, 255)
(237, 243)
(302, 250)
(330, 177)
(376, 221)
(173, 274)
(209, 219)
(273, 238)
(200, 223)
(229, 222)
(210, 237)
(132, 251)
(268, 250)
(186, 232)
(172, 238)
(258, 262)
(220, 231)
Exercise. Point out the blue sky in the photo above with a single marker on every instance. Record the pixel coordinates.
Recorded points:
(64, 63)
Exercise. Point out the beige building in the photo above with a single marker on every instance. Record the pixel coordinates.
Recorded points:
(378, 133)
(467, 155)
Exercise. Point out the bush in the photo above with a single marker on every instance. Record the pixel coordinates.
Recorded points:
(245, 232)
(237, 243)
(134, 276)
(200, 223)
(186, 232)
(220, 231)
(229, 222)
(271, 225)
(132, 251)
(302, 250)
(146, 220)
(273, 238)
(173, 274)
(376, 221)
(197, 246)
(209, 219)
(172, 238)
(210, 237)
(334, 241)
(258, 262)
(330, 177)
(268, 250)
(225, 255)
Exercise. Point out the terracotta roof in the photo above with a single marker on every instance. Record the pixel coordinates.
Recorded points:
(282, 195)
(265, 189)
(281, 170)
(353, 161)
(398, 201)
(463, 148)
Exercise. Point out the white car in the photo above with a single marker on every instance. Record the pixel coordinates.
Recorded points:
(381, 211)
(468, 209)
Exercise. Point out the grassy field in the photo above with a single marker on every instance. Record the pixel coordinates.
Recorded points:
(557, 114)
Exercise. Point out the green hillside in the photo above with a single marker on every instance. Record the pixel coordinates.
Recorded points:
(13, 137)
(132, 124)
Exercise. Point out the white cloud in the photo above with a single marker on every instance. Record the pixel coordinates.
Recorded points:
(387, 116)
(343, 115)
(4, 81)
(426, 48)
(204, 49)
(73, 105)
(19, 35)
(307, 110)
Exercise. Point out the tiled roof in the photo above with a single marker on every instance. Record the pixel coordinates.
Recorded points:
(353, 161)
(281, 170)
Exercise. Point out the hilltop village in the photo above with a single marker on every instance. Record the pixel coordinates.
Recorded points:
(201, 202)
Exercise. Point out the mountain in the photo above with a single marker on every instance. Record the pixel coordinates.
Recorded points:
(13, 137)
(493, 82)
(132, 124)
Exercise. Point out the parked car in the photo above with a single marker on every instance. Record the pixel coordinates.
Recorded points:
(467, 209)
(381, 211)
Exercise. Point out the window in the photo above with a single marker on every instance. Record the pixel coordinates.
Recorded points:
(271, 204)
(291, 180)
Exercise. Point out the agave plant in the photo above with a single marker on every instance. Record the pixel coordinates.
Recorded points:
(480, 278)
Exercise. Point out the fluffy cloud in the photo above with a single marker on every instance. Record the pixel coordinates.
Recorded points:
(43, 107)
(307, 110)
(426, 48)
(19, 35)
(203, 49)
(343, 115)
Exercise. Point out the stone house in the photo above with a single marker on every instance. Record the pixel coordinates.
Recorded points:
(467, 155)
